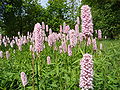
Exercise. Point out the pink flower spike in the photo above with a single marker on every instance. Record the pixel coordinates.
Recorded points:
(43, 25)
(78, 20)
(46, 28)
(86, 75)
(1, 54)
(69, 50)
(60, 28)
(94, 45)
(101, 46)
(39, 39)
(24, 79)
(48, 60)
(99, 34)
(86, 17)
(7, 55)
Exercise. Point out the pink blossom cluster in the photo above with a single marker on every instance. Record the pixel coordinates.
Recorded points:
(19, 44)
(48, 60)
(39, 39)
(86, 17)
(24, 79)
(61, 29)
(1, 54)
(7, 55)
(47, 28)
(86, 75)
(88, 41)
(52, 38)
(99, 34)
(94, 44)
(77, 30)
(101, 46)
(80, 37)
(64, 46)
(73, 38)
(69, 50)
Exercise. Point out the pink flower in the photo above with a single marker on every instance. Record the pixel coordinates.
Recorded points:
(64, 25)
(64, 46)
(43, 25)
(0, 42)
(1, 54)
(19, 44)
(30, 47)
(99, 34)
(67, 28)
(11, 44)
(48, 60)
(100, 46)
(52, 39)
(73, 38)
(7, 55)
(46, 28)
(105, 37)
(50, 31)
(18, 33)
(60, 49)
(46, 39)
(60, 28)
(94, 44)
(81, 37)
(0, 36)
(88, 41)
(86, 75)
(39, 39)
(37, 26)
(69, 50)
(86, 17)
(55, 47)
(78, 21)
(24, 79)
(77, 30)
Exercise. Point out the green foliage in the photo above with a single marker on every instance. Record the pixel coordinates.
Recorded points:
(20, 15)
(64, 71)
(56, 13)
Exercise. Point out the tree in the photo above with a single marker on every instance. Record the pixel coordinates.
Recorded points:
(56, 13)
(105, 16)
(20, 15)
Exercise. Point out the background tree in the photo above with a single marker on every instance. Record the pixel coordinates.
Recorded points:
(56, 13)
(20, 15)
(106, 16)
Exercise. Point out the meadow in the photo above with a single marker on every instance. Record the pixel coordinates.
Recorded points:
(64, 71)
(79, 58)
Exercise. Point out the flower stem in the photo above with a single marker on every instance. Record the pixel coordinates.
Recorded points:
(37, 74)
(33, 80)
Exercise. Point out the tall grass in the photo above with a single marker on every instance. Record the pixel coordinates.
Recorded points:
(64, 71)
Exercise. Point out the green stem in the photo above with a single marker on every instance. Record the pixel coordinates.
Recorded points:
(24, 87)
(33, 81)
(37, 74)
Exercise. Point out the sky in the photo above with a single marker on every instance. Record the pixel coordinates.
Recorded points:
(44, 2)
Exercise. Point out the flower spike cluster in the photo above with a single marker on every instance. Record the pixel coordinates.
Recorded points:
(39, 39)
(24, 79)
(86, 17)
(86, 76)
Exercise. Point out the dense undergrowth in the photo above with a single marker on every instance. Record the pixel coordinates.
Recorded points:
(64, 71)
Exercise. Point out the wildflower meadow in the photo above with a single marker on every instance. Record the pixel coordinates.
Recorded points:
(78, 58)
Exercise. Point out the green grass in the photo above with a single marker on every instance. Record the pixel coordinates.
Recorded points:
(64, 71)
